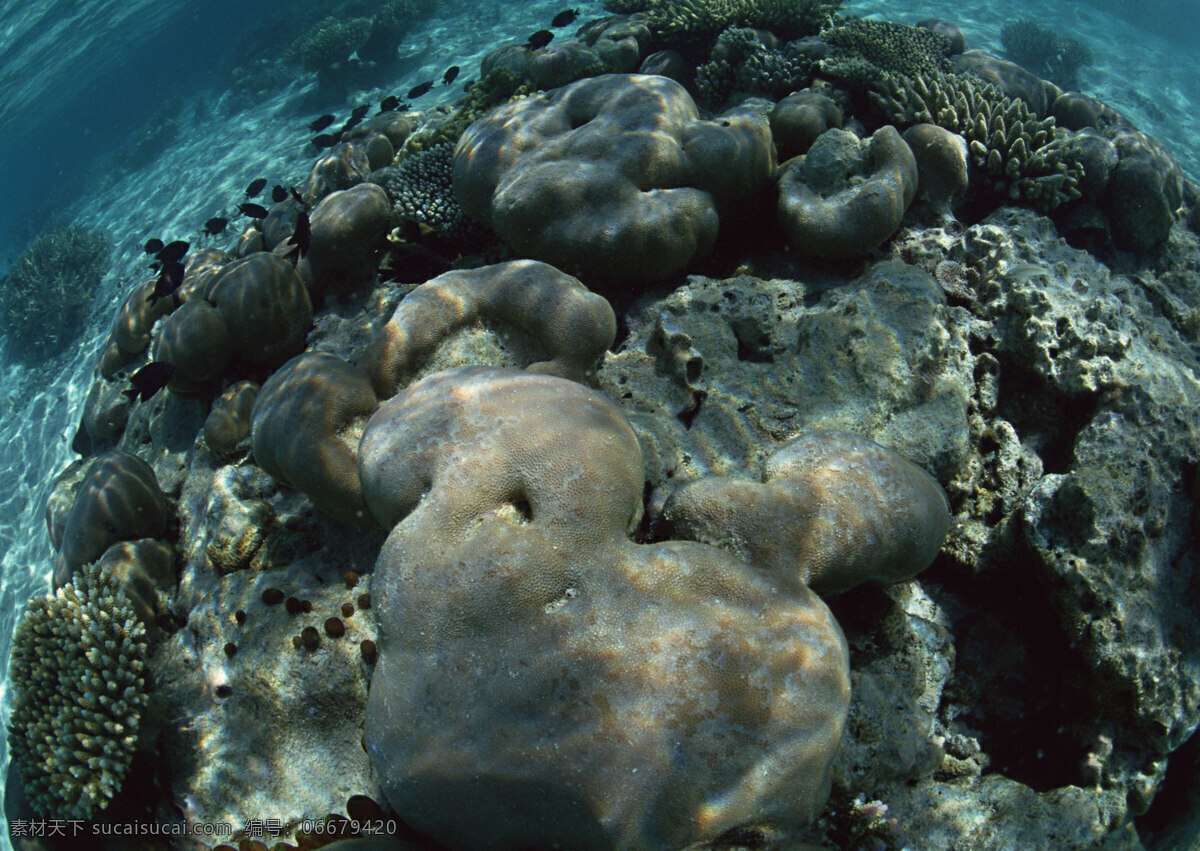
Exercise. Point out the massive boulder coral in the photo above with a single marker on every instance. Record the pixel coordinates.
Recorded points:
(546, 321)
(542, 679)
(78, 673)
(118, 500)
(266, 309)
(614, 178)
(833, 510)
(844, 197)
(347, 228)
(304, 426)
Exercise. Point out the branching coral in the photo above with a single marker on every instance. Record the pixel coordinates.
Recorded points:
(1024, 158)
(44, 296)
(887, 46)
(78, 675)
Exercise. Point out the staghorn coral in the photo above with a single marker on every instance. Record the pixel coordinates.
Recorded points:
(1022, 157)
(690, 22)
(44, 295)
(78, 676)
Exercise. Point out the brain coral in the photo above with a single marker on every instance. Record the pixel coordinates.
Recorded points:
(77, 671)
(612, 178)
(542, 680)
(266, 309)
(833, 510)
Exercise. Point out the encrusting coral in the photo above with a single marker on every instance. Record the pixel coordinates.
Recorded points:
(78, 673)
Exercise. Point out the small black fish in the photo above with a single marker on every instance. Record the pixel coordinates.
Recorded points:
(153, 246)
(297, 196)
(450, 74)
(350, 124)
(168, 280)
(215, 225)
(256, 187)
(278, 194)
(172, 252)
(419, 89)
(254, 211)
(321, 123)
(300, 237)
(389, 103)
(360, 112)
(565, 17)
(149, 380)
(467, 85)
(539, 39)
(325, 140)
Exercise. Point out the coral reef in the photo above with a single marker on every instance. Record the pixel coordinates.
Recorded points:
(688, 22)
(1040, 49)
(330, 40)
(78, 671)
(44, 295)
(575, 604)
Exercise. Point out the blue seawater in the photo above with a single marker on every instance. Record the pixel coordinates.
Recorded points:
(87, 85)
